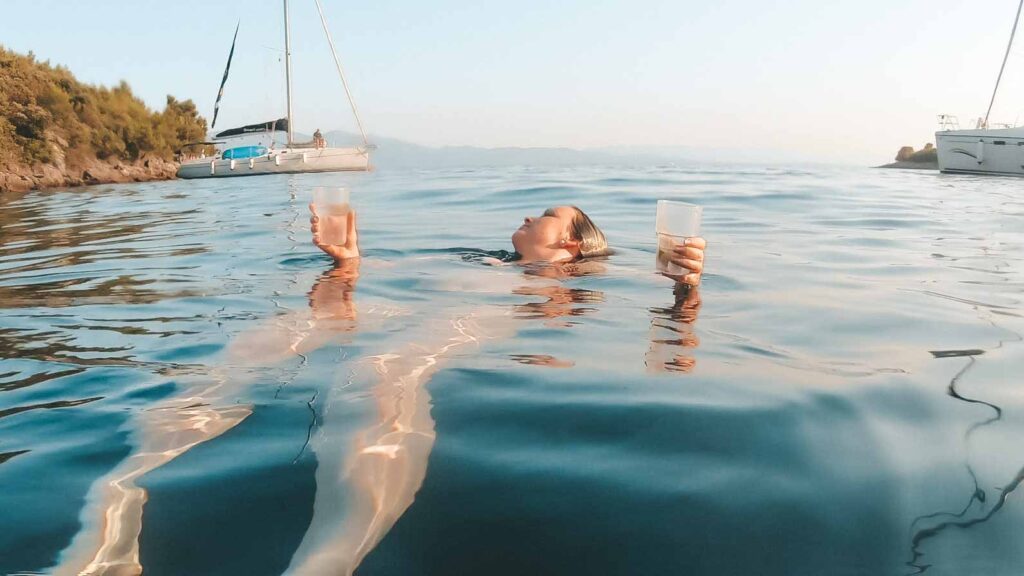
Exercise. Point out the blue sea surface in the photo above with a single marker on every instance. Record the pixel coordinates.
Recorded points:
(189, 386)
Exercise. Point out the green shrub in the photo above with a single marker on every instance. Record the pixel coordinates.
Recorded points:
(42, 105)
(925, 155)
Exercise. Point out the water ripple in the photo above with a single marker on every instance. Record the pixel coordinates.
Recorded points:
(840, 393)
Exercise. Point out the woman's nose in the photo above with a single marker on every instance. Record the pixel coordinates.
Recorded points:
(527, 220)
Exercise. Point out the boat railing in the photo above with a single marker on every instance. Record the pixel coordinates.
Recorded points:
(948, 122)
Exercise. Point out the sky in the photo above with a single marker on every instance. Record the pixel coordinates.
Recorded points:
(843, 81)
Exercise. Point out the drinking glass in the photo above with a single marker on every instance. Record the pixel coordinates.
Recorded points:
(332, 208)
(675, 222)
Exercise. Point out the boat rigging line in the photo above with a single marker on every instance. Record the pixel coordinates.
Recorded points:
(1016, 20)
(341, 73)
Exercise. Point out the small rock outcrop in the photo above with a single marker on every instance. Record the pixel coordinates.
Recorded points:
(926, 158)
(905, 153)
(926, 154)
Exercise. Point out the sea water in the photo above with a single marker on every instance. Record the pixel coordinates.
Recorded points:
(189, 386)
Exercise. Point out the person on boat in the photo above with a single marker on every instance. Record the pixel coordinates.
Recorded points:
(318, 139)
(561, 235)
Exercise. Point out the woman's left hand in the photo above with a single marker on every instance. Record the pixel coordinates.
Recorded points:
(690, 255)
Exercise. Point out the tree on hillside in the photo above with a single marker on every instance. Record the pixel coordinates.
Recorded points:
(46, 112)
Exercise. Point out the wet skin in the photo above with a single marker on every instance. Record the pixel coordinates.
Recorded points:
(544, 238)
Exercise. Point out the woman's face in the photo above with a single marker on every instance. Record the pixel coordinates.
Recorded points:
(547, 237)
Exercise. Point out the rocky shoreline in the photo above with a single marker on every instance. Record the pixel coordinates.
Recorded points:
(907, 158)
(908, 165)
(20, 178)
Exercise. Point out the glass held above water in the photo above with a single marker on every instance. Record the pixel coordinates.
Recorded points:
(674, 223)
(332, 208)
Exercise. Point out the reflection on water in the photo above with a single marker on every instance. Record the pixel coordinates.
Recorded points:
(47, 406)
(558, 302)
(671, 335)
(330, 318)
(186, 382)
(331, 296)
(5, 456)
(542, 360)
(929, 526)
(41, 256)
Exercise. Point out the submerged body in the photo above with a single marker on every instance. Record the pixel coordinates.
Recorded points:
(387, 465)
(378, 471)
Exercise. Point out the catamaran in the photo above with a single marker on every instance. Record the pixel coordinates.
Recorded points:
(983, 150)
(247, 159)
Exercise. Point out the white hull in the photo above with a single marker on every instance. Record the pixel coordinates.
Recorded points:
(996, 151)
(288, 161)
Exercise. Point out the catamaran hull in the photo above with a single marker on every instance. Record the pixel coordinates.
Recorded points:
(994, 151)
(282, 162)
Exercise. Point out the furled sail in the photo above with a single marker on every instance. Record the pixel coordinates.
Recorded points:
(273, 125)
(224, 80)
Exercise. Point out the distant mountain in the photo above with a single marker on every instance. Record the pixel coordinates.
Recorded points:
(392, 152)
(704, 154)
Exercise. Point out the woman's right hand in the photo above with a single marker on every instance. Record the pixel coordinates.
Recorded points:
(348, 250)
(690, 255)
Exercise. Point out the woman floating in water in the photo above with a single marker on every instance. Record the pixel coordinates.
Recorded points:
(386, 465)
(377, 473)
(560, 235)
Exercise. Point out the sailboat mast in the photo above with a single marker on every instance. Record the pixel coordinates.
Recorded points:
(288, 69)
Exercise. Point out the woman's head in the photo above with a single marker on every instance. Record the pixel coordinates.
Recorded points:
(563, 233)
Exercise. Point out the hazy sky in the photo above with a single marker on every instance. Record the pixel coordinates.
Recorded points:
(825, 81)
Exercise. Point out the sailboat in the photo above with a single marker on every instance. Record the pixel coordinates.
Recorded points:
(984, 150)
(246, 159)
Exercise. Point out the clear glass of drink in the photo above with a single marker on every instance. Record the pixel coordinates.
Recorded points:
(675, 222)
(332, 208)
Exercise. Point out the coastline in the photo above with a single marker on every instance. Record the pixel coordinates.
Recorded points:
(22, 178)
(909, 165)
(56, 131)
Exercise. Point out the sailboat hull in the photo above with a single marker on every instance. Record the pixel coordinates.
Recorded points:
(991, 151)
(288, 161)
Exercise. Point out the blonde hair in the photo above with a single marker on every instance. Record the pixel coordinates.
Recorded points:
(591, 239)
